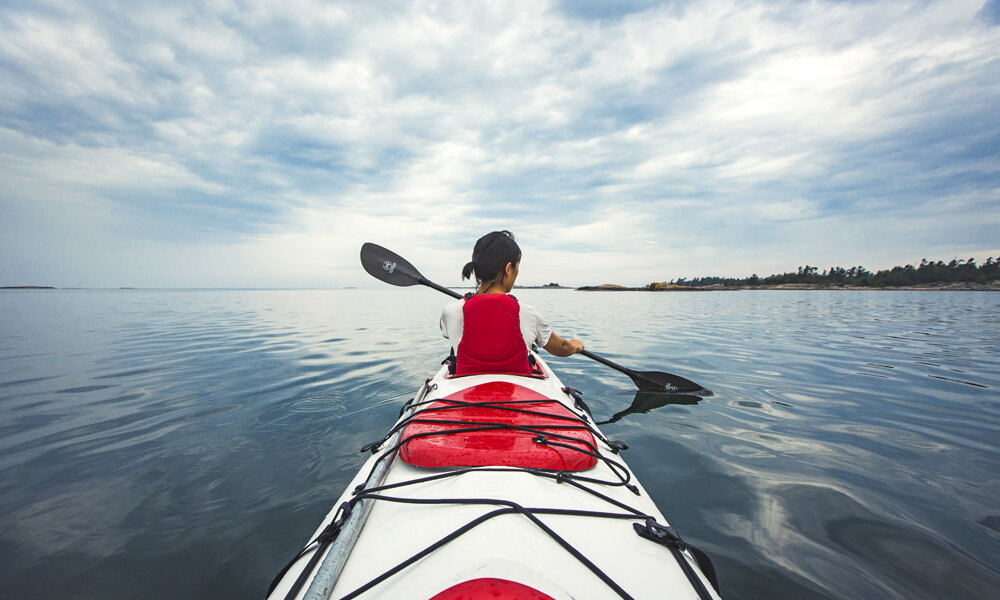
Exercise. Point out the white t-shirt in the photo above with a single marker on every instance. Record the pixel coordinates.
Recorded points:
(534, 329)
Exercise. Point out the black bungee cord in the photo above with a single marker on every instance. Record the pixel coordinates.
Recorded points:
(544, 434)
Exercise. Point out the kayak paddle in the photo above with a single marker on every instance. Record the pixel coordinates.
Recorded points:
(385, 265)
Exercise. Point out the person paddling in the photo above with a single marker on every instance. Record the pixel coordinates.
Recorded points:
(491, 332)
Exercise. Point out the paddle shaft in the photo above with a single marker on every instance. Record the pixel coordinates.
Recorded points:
(604, 361)
(440, 288)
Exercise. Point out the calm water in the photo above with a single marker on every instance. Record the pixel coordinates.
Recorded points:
(172, 444)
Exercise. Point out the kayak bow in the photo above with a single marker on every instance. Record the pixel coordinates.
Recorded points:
(495, 486)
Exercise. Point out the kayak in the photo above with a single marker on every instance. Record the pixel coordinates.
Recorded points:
(496, 486)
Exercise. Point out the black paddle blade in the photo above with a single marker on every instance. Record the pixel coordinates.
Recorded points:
(657, 380)
(387, 266)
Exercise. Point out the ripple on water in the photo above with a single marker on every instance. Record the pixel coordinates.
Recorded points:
(850, 449)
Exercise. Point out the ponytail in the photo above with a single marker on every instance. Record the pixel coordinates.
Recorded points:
(467, 269)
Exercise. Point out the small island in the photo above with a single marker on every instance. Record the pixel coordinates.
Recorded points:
(547, 286)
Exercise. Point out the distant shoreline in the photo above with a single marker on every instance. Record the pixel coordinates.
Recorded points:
(930, 287)
(660, 288)
(26, 287)
(610, 287)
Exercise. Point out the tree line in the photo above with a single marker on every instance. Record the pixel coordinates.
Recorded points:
(927, 272)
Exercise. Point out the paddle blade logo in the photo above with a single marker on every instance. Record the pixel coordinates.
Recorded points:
(389, 266)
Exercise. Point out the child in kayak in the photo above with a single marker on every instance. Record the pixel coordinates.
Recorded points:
(491, 331)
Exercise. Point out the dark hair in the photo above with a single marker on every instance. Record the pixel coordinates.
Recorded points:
(490, 256)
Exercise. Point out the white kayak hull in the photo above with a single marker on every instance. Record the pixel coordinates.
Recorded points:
(513, 523)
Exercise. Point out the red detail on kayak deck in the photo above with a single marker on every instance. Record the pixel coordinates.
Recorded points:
(490, 589)
(443, 439)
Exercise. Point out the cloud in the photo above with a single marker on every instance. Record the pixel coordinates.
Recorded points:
(272, 139)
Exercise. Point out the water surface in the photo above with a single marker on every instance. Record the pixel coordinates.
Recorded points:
(186, 443)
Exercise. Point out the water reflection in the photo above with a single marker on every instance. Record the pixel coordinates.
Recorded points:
(647, 400)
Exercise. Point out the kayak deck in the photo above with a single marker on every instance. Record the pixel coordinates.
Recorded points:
(490, 485)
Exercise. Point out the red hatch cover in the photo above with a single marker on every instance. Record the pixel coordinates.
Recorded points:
(442, 443)
(491, 589)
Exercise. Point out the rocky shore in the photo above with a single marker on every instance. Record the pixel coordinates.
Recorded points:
(993, 286)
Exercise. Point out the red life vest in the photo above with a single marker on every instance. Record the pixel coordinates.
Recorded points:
(491, 337)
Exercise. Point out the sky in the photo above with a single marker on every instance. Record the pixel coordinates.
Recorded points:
(260, 144)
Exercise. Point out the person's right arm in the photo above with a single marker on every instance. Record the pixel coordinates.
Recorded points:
(558, 346)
